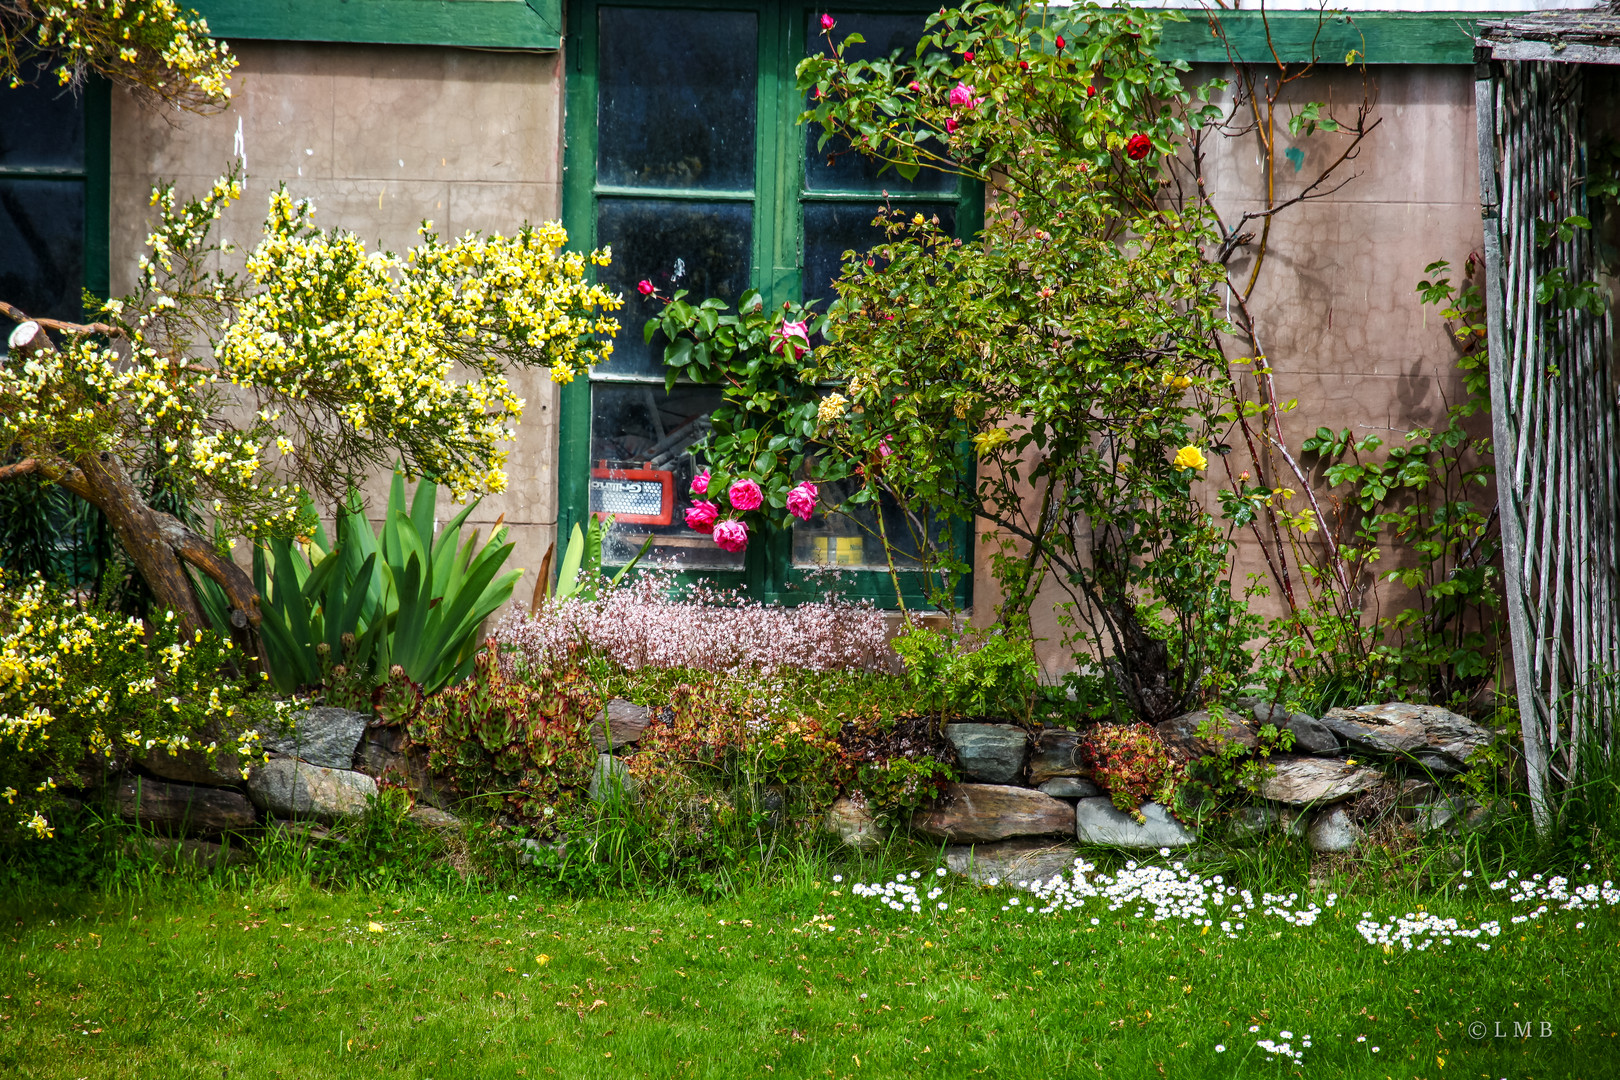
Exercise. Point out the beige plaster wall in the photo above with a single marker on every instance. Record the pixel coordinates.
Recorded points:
(1336, 298)
(380, 137)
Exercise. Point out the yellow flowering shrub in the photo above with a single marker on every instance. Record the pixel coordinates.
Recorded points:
(323, 363)
(155, 46)
(78, 683)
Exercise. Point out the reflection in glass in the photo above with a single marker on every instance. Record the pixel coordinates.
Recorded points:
(850, 536)
(676, 98)
(642, 469)
(42, 249)
(834, 167)
(832, 228)
(702, 247)
(41, 126)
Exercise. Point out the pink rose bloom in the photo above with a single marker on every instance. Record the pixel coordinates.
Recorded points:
(794, 336)
(645, 287)
(801, 501)
(700, 516)
(700, 483)
(962, 94)
(950, 125)
(731, 535)
(745, 495)
(827, 22)
(884, 449)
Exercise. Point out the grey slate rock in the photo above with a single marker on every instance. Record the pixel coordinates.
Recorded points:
(289, 788)
(1057, 753)
(980, 812)
(1302, 781)
(611, 780)
(851, 821)
(1311, 736)
(325, 735)
(993, 753)
(1334, 831)
(1098, 821)
(1180, 734)
(1069, 787)
(1008, 862)
(181, 809)
(618, 724)
(1433, 738)
(193, 766)
(1249, 822)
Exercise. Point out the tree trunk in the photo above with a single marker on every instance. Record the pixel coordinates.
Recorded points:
(159, 544)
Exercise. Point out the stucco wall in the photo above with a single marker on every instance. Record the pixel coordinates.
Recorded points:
(380, 137)
(1336, 302)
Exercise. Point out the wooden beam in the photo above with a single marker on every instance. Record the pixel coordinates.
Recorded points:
(484, 24)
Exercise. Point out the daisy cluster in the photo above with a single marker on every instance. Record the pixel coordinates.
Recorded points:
(901, 894)
(1555, 891)
(1420, 931)
(1285, 1048)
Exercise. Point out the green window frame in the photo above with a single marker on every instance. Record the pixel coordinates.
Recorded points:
(777, 257)
(93, 174)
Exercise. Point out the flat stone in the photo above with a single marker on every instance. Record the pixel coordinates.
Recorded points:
(290, 788)
(993, 753)
(431, 817)
(1249, 822)
(977, 812)
(387, 754)
(193, 766)
(1302, 781)
(619, 723)
(1311, 736)
(324, 736)
(1436, 739)
(611, 780)
(197, 854)
(1069, 787)
(1099, 821)
(1180, 735)
(1011, 862)
(182, 809)
(851, 821)
(1333, 831)
(1057, 753)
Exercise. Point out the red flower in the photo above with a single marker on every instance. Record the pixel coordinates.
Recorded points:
(915, 88)
(827, 22)
(967, 57)
(645, 287)
(1023, 65)
(1091, 91)
(950, 125)
(1061, 42)
(1138, 147)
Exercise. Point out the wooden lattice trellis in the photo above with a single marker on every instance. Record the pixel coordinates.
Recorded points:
(1556, 421)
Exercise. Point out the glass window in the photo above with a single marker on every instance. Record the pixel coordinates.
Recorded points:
(687, 160)
(42, 201)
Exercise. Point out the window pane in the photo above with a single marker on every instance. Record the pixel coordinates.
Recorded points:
(704, 248)
(835, 167)
(42, 249)
(851, 537)
(832, 228)
(642, 468)
(676, 98)
(41, 125)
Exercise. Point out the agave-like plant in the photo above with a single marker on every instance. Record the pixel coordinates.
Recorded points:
(409, 595)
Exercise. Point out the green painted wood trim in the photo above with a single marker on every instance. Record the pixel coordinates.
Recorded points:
(97, 185)
(485, 24)
(1378, 37)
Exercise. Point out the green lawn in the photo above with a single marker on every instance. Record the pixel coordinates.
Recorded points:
(798, 979)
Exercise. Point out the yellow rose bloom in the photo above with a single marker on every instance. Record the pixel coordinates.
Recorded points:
(1190, 457)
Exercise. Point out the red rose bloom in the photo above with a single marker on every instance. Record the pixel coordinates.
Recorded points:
(1138, 147)
(1061, 43)
(1091, 91)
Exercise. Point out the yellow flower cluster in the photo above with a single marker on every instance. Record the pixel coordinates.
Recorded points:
(69, 674)
(150, 43)
(412, 352)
